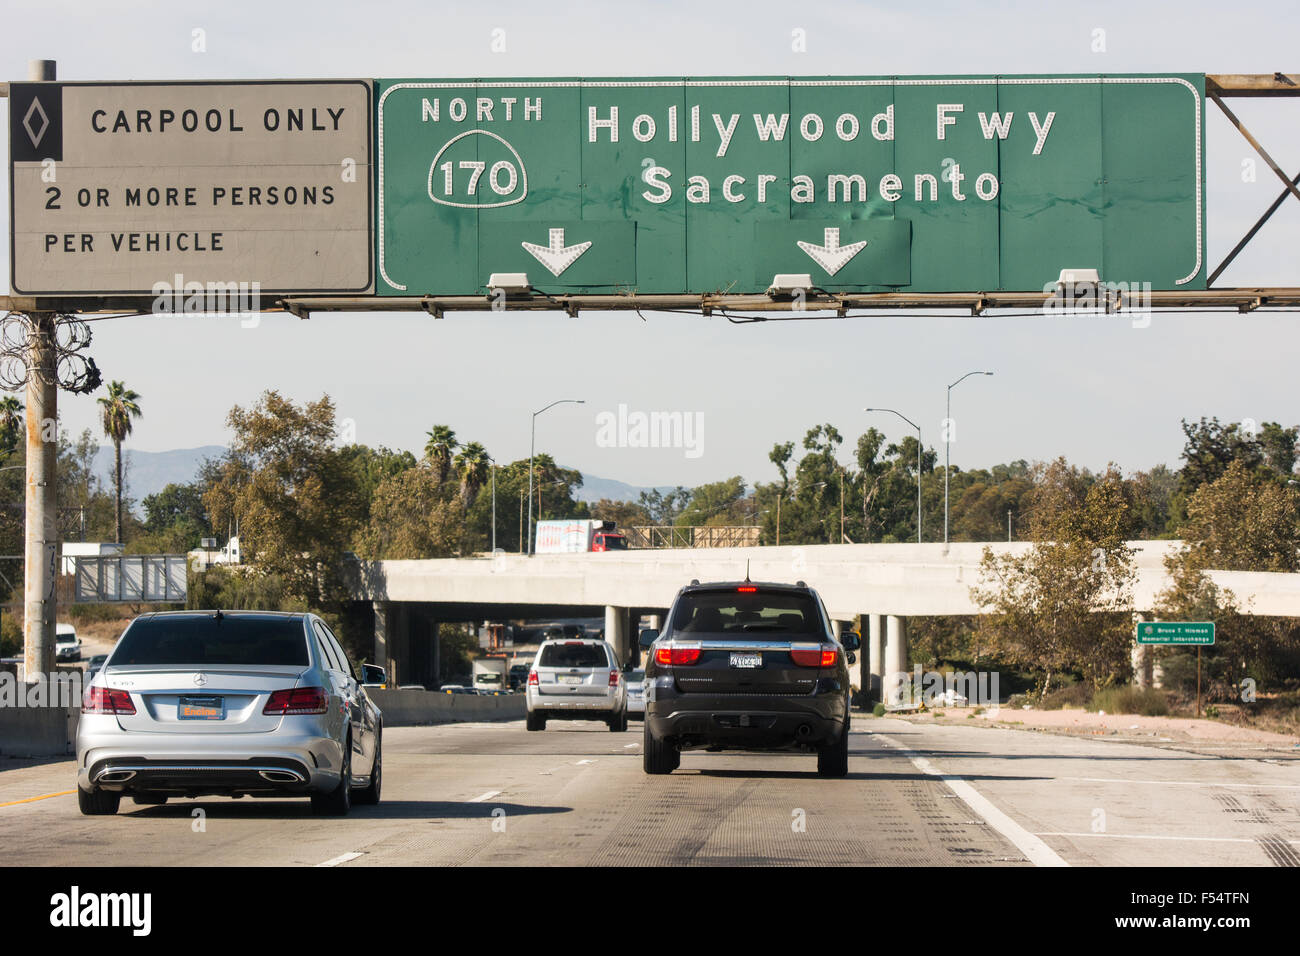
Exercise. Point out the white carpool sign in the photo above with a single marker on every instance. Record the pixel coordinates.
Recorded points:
(144, 188)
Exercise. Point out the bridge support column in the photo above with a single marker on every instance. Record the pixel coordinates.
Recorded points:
(875, 650)
(895, 661)
(1141, 659)
(383, 635)
(617, 627)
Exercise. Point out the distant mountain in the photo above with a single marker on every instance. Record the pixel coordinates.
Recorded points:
(149, 472)
(594, 488)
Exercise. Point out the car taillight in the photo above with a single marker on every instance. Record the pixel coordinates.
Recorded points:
(107, 700)
(677, 656)
(814, 655)
(614, 677)
(297, 700)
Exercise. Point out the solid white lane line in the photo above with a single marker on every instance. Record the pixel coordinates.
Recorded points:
(1146, 836)
(343, 858)
(1035, 850)
(1190, 783)
(484, 796)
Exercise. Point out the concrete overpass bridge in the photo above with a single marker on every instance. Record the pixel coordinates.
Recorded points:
(885, 584)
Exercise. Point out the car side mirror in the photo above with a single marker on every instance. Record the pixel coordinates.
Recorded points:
(373, 674)
(648, 637)
(851, 640)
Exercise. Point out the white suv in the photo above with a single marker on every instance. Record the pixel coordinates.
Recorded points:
(576, 679)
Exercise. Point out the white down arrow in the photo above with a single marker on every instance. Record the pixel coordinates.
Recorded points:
(557, 256)
(832, 256)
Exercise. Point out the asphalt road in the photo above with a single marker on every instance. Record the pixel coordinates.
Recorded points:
(494, 794)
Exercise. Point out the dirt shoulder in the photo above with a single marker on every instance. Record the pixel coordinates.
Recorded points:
(1129, 726)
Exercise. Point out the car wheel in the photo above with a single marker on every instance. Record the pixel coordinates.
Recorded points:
(618, 723)
(659, 756)
(98, 803)
(536, 721)
(370, 794)
(833, 760)
(338, 801)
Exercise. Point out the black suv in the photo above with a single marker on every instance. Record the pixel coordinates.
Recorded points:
(747, 666)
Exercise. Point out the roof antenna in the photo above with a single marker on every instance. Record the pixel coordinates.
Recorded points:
(747, 570)
(219, 615)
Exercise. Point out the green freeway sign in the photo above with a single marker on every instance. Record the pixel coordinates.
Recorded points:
(922, 184)
(1175, 632)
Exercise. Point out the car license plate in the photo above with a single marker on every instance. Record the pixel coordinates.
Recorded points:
(201, 708)
(570, 680)
(746, 660)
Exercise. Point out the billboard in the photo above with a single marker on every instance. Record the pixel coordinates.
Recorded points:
(139, 188)
(868, 184)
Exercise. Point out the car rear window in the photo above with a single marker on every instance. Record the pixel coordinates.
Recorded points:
(735, 613)
(573, 655)
(208, 641)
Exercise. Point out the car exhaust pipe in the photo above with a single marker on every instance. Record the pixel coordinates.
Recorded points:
(805, 730)
(280, 776)
(116, 776)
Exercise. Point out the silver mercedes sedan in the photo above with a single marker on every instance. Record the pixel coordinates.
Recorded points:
(233, 703)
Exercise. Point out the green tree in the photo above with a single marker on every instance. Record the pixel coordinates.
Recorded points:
(411, 517)
(1065, 604)
(294, 496)
(472, 465)
(118, 408)
(438, 450)
(11, 423)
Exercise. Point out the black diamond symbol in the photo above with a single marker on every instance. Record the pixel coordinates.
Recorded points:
(36, 110)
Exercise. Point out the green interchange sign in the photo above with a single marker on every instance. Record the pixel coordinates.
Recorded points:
(868, 184)
(1175, 632)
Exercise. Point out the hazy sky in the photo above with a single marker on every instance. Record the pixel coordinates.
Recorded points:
(1091, 389)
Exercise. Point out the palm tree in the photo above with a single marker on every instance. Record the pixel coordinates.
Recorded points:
(438, 450)
(472, 462)
(11, 411)
(120, 406)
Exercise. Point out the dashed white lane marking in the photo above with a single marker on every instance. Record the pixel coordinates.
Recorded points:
(581, 762)
(484, 796)
(1190, 783)
(1153, 836)
(343, 858)
(630, 746)
(1035, 850)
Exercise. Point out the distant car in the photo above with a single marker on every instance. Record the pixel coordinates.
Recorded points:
(457, 689)
(67, 646)
(747, 666)
(576, 680)
(93, 667)
(245, 703)
(636, 694)
(518, 676)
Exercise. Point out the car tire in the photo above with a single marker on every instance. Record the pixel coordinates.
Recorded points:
(369, 795)
(618, 723)
(833, 760)
(338, 801)
(535, 722)
(659, 756)
(98, 803)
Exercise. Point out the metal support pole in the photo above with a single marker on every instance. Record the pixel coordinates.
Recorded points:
(41, 531)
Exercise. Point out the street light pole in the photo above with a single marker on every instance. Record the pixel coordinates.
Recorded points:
(919, 446)
(947, 449)
(532, 448)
